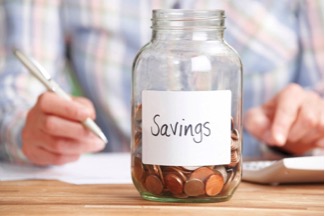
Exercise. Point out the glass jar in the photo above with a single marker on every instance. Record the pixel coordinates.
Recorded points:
(187, 110)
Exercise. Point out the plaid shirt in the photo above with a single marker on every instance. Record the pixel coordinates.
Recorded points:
(279, 42)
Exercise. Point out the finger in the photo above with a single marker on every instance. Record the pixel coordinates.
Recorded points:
(300, 147)
(51, 103)
(71, 147)
(256, 122)
(308, 124)
(286, 112)
(315, 137)
(87, 103)
(42, 157)
(60, 127)
(296, 149)
(68, 137)
(51, 140)
(311, 139)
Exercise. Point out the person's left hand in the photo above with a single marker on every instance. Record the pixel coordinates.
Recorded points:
(293, 120)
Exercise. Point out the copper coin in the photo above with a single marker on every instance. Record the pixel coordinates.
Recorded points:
(214, 185)
(138, 128)
(137, 139)
(177, 171)
(234, 144)
(156, 170)
(234, 156)
(233, 180)
(222, 171)
(227, 184)
(138, 113)
(190, 168)
(138, 170)
(231, 176)
(153, 184)
(234, 134)
(194, 187)
(150, 169)
(202, 173)
(174, 183)
(232, 123)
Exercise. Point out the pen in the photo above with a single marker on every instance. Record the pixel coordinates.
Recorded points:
(40, 73)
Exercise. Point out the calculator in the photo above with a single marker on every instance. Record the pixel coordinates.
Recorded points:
(309, 169)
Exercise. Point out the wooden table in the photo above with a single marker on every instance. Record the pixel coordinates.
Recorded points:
(57, 198)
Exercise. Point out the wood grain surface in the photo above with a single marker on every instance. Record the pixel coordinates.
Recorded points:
(58, 198)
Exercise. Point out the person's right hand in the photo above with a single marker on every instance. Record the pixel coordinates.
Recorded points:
(53, 134)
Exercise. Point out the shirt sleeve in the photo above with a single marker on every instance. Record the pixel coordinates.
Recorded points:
(310, 16)
(34, 28)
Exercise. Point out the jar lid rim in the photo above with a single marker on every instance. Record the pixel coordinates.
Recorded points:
(180, 14)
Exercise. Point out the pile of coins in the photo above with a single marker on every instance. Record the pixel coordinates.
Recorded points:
(180, 181)
(235, 144)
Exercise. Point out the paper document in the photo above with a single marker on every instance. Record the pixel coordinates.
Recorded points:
(102, 168)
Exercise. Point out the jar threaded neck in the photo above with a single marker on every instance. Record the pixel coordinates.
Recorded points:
(179, 19)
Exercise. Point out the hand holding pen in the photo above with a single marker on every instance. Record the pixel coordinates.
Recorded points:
(58, 128)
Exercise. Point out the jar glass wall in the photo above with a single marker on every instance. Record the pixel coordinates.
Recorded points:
(183, 78)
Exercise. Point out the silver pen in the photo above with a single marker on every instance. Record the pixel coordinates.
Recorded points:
(40, 73)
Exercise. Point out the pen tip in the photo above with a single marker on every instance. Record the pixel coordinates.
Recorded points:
(91, 125)
(103, 137)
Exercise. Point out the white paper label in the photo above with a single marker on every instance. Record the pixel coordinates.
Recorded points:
(186, 128)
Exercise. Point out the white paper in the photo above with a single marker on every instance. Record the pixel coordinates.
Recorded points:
(186, 128)
(102, 168)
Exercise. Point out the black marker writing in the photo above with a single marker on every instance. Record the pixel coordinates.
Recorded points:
(180, 129)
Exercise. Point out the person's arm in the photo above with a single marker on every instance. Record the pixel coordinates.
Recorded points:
(38, 129)
(293, 120)
(32, 27)
(310, 65)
